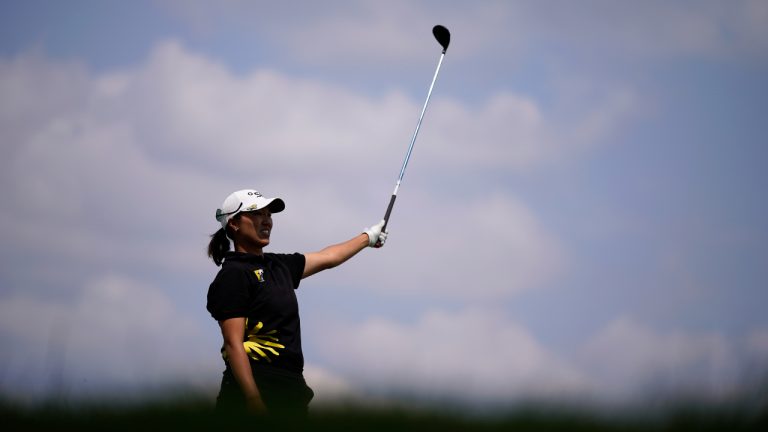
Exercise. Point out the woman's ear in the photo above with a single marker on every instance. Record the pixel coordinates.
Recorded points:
(234, 224)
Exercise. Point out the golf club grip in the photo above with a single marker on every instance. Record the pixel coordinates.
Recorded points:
(389, 211)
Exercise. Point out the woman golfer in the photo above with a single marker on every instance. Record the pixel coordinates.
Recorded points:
(253, 299)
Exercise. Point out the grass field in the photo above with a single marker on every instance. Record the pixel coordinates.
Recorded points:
(186, 414)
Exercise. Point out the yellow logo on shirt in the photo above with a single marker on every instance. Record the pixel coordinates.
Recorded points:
(259, 345)
(259, 274)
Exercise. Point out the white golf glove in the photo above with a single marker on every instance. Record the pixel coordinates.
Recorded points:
(376, 237)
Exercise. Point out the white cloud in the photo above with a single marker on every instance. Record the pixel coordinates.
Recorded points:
(508, 132)
(469, 354)
(627, 355)
(115, 333)
(143, 156)
(329, 388)
(757, 342)
(466, 247)
(183, 111)
(482, 355)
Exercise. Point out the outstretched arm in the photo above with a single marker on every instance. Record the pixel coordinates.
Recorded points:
(332, 256)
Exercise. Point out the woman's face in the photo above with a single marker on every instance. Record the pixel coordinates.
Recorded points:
(253, 228)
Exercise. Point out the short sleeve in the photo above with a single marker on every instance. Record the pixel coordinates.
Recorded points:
(228, 294)
(295, 263)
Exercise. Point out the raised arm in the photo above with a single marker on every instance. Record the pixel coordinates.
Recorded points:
(333, 256)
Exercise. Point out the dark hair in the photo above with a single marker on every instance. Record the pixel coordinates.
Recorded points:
(218, 246)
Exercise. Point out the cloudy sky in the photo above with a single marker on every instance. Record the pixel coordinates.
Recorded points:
(584, 214)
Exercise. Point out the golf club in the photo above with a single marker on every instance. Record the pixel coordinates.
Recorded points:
(443, 37)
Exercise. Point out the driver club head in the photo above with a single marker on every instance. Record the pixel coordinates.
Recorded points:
(442, 35)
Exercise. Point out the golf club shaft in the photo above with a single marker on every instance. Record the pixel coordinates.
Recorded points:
(410, 147)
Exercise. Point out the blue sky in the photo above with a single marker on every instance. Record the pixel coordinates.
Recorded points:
(583, 215)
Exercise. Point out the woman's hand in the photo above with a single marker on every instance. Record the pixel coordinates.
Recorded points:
(376, 237)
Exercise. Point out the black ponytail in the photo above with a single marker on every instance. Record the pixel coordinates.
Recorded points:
(218, 246)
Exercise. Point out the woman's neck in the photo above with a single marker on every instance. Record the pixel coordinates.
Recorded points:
(254, 250)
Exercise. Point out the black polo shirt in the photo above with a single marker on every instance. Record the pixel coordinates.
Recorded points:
(262, 290)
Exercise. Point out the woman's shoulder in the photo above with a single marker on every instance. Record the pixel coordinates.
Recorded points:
(289, 259)
(283, 256)
(231, 271)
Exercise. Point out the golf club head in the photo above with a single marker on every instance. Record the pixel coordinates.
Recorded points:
(442, 35)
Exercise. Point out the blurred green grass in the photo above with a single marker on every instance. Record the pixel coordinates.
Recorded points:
(197, 414)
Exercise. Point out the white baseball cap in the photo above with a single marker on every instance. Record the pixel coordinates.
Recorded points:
(246, 200)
